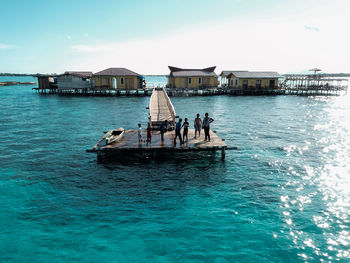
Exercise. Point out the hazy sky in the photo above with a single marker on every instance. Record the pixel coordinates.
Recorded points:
(147, 36)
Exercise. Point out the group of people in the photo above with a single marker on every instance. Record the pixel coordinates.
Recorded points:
(199, 124)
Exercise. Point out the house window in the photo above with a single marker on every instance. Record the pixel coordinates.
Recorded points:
(245, 84)
(199, 81)
(189, 80)
(236, 82)
(258, 84)
(122, 81)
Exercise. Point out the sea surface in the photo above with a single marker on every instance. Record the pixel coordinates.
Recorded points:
(283, 196)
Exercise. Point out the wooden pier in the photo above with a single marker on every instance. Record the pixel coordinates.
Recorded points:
(130, 145)
(316, 84)
(93, 92)
(161, 109)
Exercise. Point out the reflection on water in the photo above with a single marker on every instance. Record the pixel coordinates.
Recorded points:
(322, 188)
(283, 196)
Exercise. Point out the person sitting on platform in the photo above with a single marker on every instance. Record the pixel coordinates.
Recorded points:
(149, 134)
(185, 132)
(178, 132)
(206, 126)
(163, 128)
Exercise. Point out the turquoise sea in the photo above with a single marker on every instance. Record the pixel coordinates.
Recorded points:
(283, 196)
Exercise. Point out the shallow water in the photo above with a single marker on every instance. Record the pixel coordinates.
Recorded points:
(283, 196)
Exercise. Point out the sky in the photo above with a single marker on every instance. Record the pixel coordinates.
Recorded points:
(44, 36)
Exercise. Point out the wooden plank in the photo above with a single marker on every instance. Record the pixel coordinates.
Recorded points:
(130, 142)
(160, 107)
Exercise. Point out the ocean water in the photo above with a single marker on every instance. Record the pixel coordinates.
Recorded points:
(283, 196)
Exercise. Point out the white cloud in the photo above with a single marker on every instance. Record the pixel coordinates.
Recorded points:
(281, 43)
(5, 46)
(311, 28)
(93, 48)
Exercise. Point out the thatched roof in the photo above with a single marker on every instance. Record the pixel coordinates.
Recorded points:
(116, 72)
(180, 72)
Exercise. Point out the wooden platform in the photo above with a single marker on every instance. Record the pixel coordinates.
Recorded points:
(161, 109)
(130, 144)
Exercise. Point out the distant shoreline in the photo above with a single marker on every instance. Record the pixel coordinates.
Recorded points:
(54, 74)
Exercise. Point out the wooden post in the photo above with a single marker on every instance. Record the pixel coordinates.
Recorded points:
(223, 153)
(99, 155)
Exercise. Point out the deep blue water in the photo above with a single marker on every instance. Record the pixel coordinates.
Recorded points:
(283, 196)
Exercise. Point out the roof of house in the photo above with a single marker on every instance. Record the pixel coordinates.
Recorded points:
(180, 72)
(83, 74)
(116, 72)
(252, 74)
(225, 73)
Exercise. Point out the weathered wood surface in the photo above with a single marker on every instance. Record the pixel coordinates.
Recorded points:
(130, 142)
(160, 107)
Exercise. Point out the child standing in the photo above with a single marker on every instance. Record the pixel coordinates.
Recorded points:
(185, 133)
(139, 133)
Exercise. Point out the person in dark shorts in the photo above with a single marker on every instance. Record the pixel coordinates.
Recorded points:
(149, 134)
(185, 132)
(197, 126)
(139, 133)
(163, 128)
(206, 126)
(178, 132)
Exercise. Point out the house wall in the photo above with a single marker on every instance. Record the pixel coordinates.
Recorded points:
(43, 83)
(183, 82)
(233, 82)
(71, 82)
(171, 82)
(106, 82)
(265, 83)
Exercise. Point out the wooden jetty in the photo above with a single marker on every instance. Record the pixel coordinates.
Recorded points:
(15, 83)
(161, 109)
(129, 144)
(315, 84)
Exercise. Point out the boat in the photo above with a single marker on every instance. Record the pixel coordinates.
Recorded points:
(114, 135)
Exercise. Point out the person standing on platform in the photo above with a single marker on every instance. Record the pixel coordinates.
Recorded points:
(149, 134)
(163, 128)
(185, 132)
(178, 132)
(206, 126)
(139, 133)
(197, 126)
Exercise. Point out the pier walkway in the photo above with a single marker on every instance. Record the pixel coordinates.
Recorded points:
(161, 108)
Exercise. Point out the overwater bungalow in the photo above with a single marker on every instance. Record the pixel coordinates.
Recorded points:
(78, 81)
(192, 78)
(116, 79)
(250, 79)
(46, 83)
